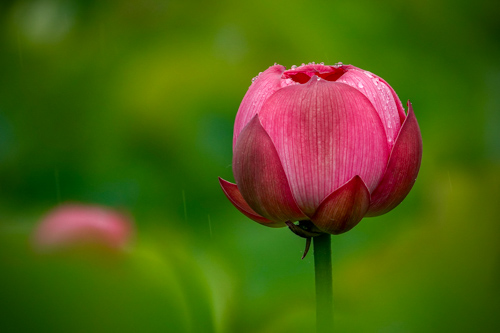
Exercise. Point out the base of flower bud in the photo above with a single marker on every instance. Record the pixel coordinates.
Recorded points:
(305, 229)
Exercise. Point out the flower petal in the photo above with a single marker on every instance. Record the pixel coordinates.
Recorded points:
(381, 95)
(325, 133)
(266, 84)
(260, 176)
(402, 169)
(233, 194)
(344, 208)
(72, 225)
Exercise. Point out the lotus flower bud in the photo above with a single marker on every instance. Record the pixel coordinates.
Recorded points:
(329, 144)
(74, 225)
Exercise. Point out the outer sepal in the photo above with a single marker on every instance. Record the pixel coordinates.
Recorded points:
(343, 208)
(402, 169)
(260, 176)
(233, 194)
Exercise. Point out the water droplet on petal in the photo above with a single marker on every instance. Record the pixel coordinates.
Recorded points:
(322, 63)
(255, 78)
(294, 66)
(360, 85)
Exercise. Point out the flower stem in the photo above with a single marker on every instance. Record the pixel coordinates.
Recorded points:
(323, 280)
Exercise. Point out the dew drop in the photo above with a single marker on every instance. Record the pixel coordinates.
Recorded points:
(360, 85)
(294, 66)
(339, 64)
(255, 78)
(322, 63)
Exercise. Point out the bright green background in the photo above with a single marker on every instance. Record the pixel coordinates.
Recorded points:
(130, 104)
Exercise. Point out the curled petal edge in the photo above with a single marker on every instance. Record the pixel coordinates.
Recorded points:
(343, 208)
(233, 194)
(402, 168)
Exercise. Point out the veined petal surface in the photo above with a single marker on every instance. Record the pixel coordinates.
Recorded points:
(402, 169)
(233, 194)
(381, 95)
(266, 84)
(344, 208)
(260, 176)
(325, 133)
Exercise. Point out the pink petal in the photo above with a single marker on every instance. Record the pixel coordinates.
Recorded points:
(344, 208)
(325, 133)
(260, 176)
(399, 105)
(73, 225)
(233, 194)
(402, 169)
(381, 95)
(264, 86)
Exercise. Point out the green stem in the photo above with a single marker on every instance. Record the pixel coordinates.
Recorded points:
(323, 279)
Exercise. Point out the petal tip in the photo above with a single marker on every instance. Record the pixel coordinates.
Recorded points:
(344, 208)
(234, 196)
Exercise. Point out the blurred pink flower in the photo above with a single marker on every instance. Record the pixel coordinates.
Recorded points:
(73, 225)
(329, 144)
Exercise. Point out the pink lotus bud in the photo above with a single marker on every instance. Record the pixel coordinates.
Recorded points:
(74, 225)
(329, 144)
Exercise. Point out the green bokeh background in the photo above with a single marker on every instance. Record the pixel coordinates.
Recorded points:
(130, 104)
